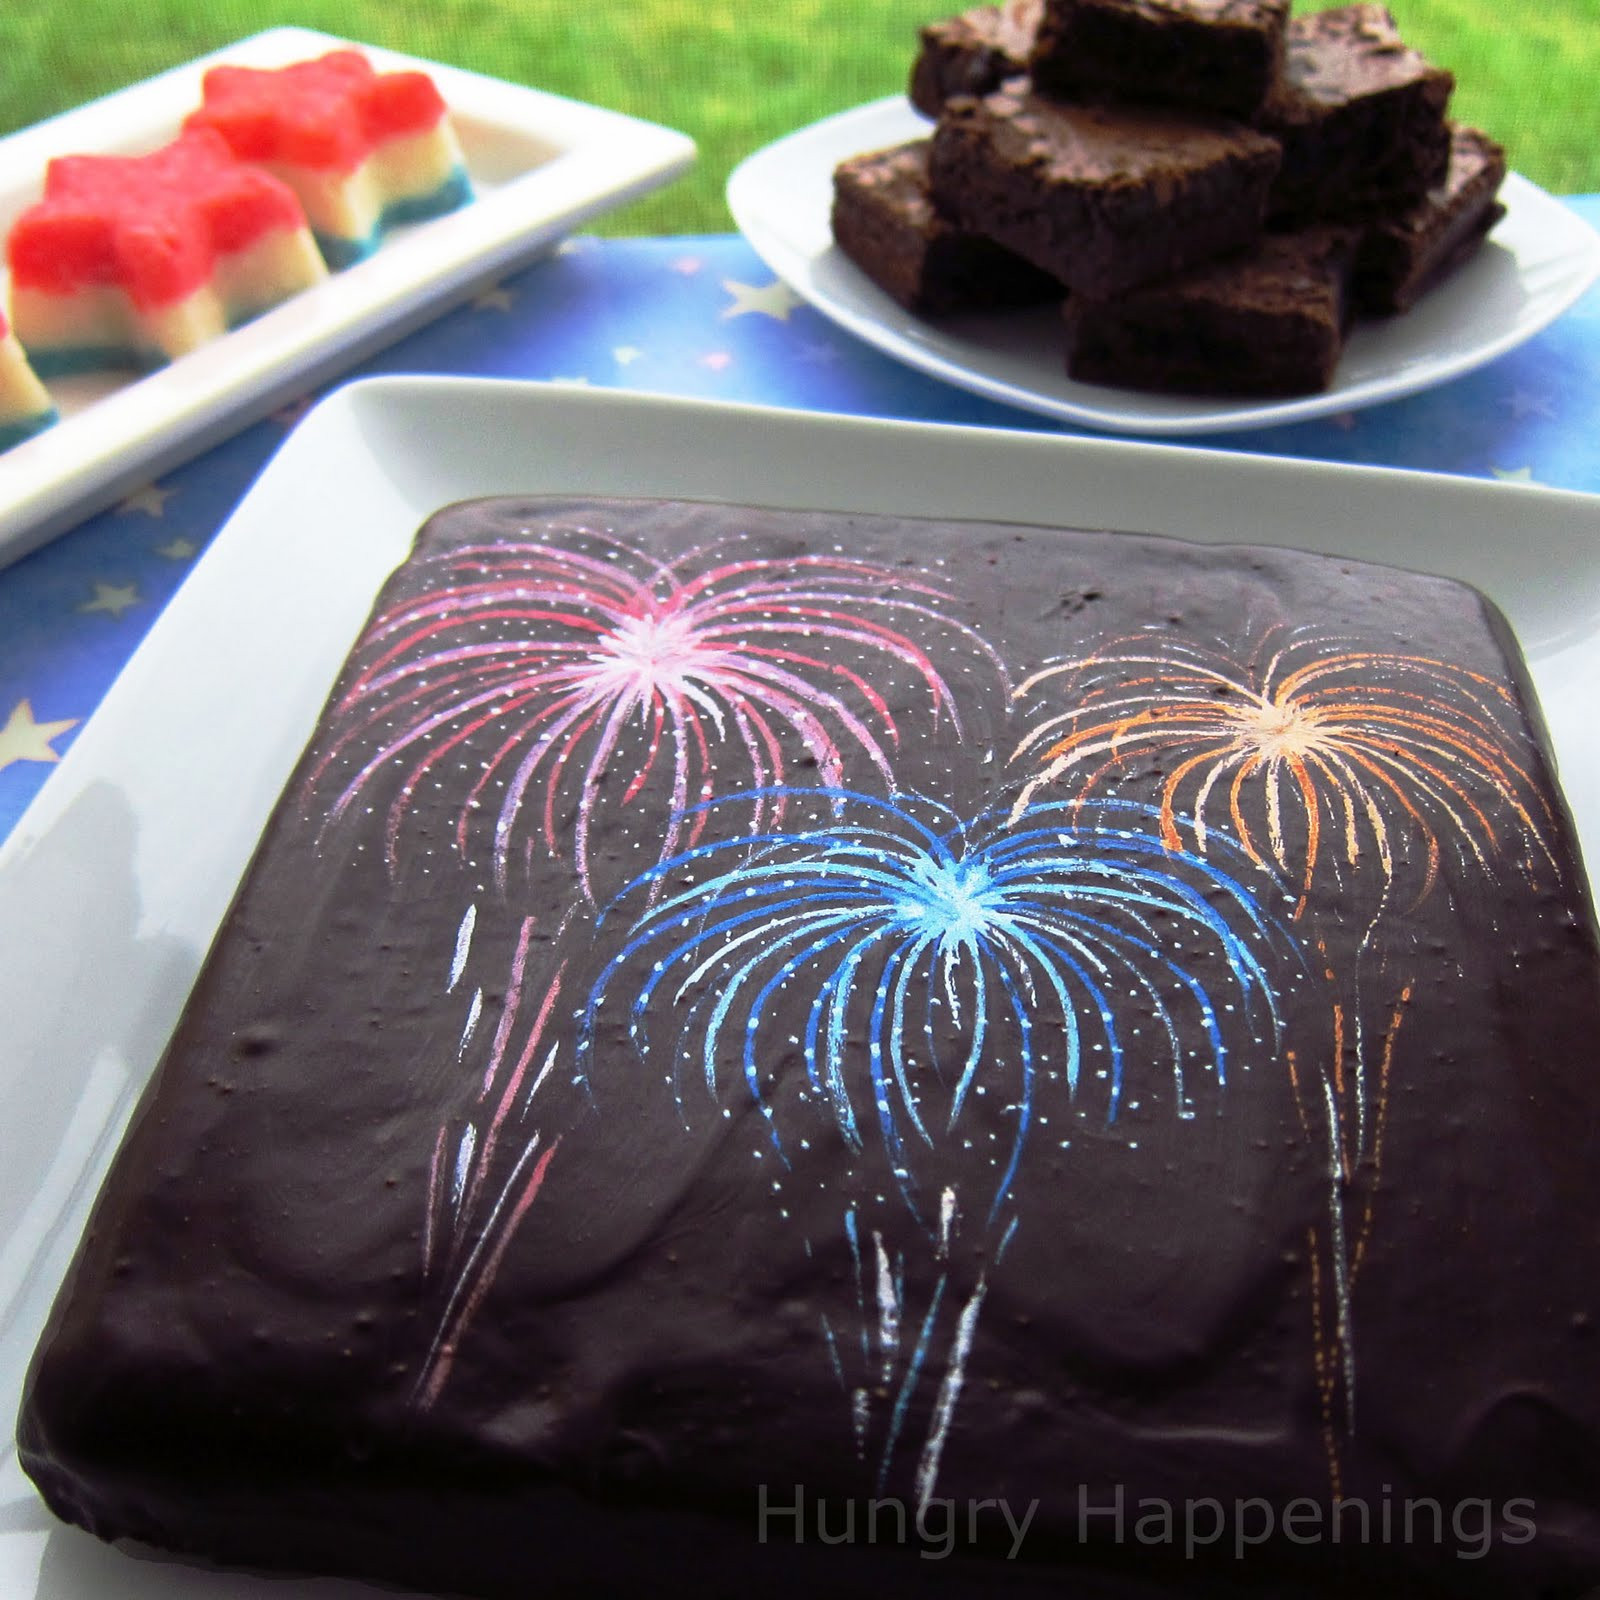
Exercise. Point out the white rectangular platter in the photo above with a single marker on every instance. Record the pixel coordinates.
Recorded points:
(540, 165)
(117, 877)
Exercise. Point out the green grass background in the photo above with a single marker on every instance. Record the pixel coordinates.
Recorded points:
(735, 76)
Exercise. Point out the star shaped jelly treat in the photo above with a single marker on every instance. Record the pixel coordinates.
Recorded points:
(136, 260)
(364, 150)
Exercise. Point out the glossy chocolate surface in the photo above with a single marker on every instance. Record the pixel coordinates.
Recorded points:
(743, 1007)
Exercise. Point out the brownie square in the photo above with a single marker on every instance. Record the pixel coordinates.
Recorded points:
(885, 221)
(1269, 322)
(1102, 197)
(973, 53)
(1211, 55)
(1402, 257)
(1361, 117)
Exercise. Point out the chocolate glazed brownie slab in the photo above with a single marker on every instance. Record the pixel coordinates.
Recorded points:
(743, 1021)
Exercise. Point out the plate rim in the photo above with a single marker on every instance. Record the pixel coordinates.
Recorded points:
(1122, 462)
(602, 159)
(1184, 417)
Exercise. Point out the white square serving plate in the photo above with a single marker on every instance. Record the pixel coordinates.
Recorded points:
(117, 877)
(540, 166)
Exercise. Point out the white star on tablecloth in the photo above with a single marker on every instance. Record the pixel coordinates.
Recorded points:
(775, 299)
(112, 598)
(626, 354)
(24, 739)
(151, 500)
(177, 549)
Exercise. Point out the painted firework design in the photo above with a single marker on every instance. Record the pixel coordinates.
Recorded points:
(936, 964)
(535, 666)
(582, 670)
(1331, 1108)
(489, 1162)
(917, 995)
(1315, 752)
(1376, 750)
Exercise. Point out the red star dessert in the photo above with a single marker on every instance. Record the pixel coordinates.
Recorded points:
(140, 259)
(363, 150)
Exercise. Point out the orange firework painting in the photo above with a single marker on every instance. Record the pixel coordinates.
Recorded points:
(1377, 750)
(1315, 752)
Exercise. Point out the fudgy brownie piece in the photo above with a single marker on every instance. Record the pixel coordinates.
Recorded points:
(1102, 197)
(1213, 55)
(1269, 322)
(973, 53)
(884, 220)
(1404, 256)
(1361, 117)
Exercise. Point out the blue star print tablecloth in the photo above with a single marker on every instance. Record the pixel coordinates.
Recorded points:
(700, 317)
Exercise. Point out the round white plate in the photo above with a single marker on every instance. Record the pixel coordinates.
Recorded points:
(1538, 261)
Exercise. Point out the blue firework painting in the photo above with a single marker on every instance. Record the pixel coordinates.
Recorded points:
(921, 964)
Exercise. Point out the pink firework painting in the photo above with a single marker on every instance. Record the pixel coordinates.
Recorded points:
(580, 672)
(490, 1160)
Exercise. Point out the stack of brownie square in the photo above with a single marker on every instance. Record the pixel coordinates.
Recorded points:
(1214, 188)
